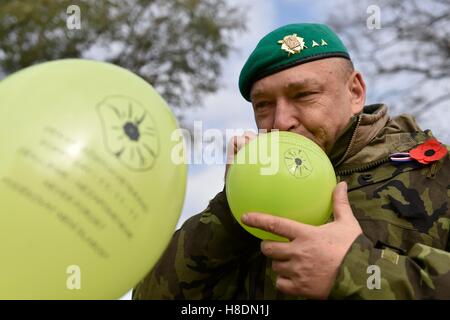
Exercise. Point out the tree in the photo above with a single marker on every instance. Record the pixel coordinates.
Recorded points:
(410, 50)
(176, 45)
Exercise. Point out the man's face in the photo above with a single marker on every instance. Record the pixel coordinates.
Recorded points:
(315, 99)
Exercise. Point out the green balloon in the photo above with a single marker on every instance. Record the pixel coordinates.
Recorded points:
(283, 174)
(90, 193)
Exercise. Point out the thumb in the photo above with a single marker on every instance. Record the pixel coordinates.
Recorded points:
(341, 205)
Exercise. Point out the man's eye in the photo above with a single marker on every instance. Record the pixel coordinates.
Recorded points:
(261, 105)
(302, 94)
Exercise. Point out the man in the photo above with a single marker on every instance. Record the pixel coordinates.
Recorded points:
(389, 236)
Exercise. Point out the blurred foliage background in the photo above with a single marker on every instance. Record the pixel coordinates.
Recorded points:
(176, 45)
(407, 60)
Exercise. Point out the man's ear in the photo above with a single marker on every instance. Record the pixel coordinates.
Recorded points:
(357, 90)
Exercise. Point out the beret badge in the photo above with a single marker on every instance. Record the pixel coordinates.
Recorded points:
(292, 44)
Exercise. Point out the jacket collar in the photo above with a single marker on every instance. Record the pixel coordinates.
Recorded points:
(376, 135)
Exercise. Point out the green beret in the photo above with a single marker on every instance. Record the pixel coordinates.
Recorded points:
(289, 46)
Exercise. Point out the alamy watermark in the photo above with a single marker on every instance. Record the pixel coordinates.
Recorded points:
(209, 147)
(73, 21)
(374, 19)
(374, 280)
(73, 281)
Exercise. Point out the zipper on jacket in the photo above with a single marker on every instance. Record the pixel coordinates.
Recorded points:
(352, 139)
(365, 167)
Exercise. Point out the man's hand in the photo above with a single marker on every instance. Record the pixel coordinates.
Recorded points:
(307, 265)
(235, 144)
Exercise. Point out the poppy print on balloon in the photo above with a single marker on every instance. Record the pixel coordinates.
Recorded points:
(129, 132)
(297, 163)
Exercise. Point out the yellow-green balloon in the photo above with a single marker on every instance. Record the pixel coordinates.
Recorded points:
(283, 174)
(90, 190)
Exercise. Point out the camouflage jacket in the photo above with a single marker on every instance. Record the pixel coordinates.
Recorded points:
(402, 208)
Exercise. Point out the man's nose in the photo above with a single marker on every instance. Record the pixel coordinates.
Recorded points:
(285, 119)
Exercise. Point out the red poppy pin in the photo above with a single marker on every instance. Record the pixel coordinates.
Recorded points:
(429, 151)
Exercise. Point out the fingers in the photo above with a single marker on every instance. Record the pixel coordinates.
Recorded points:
(238, 142)
(285, 285)
(235, 144)
(341, 205)
(283, 268)
(276, 250)
(280, 226)
(249, 135)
